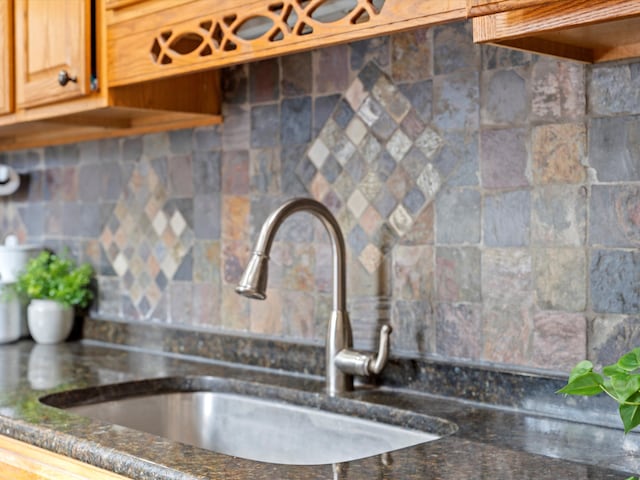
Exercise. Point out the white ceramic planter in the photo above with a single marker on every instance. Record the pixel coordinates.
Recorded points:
(49, 321)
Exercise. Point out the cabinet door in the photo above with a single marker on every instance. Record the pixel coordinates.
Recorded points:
(6, 58)
(52, 37)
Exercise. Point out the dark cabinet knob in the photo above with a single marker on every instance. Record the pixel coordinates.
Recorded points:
(64, 78)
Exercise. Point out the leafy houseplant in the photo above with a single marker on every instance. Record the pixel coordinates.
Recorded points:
(55, 285)
(621, 381)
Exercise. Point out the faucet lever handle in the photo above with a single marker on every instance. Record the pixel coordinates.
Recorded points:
(377, 364)
(358, 363)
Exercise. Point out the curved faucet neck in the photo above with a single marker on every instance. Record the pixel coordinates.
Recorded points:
(275, 220)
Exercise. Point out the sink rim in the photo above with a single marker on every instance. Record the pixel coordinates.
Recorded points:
(255, 428)
(344, 405)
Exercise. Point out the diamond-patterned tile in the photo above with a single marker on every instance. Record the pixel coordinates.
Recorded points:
(357, 203)
(374, 156)
(343, 150)
(356, 130)
(150, 239)
(401, 220)
(371, 258)
(356, 94)
(318, 153)
(429, 142)
(120, 264)
(178, 223)
(159, 222)
(391, 99)
(370, 111)
(398, 145)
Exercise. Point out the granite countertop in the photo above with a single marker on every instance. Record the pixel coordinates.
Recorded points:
(492, 441)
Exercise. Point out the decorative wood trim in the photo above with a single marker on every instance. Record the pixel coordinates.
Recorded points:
(200, 34)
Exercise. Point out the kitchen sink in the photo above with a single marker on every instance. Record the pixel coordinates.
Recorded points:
(262, 423)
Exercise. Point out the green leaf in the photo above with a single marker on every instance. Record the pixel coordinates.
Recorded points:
(630, 415)
(630, 361)
(624, 386)
(580, 369)
(587, 384)
(612, 370)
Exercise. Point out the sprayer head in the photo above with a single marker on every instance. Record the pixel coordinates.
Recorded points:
(253, 283)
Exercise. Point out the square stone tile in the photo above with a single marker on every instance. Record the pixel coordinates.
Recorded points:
(506, 266)
(458, 330)
(458, 274)
(453, 48)
(411, 55)
(614, 89)
(413, 272)
(458, 216)
(559, 340)
(614, 147)
(331, 69)
(507, 219)
(297, 76)
(264, 80)
(558, 153)
(413, 329)
(504, 100)
(456, 100)
(503, 158)
(507, 331)
(265, 126)
(558, 90)
(295, 121)
(561, 275)
(559, 215)
(613, 215)
(611, 336)
(615, 281)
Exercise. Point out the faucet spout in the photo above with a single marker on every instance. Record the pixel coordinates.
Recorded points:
(254, 280)
(253, 284)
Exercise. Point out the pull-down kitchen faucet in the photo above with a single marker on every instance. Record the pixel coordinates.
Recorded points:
(341, 361)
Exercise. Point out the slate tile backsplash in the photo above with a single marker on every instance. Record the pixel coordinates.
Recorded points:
(489, 200)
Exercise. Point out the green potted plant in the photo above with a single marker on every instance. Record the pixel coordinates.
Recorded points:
(55, 285)
(621, 381)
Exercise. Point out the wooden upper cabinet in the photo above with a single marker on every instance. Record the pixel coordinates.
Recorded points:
(584, 30)
(52, 39)
(6, 57)
(148, 39)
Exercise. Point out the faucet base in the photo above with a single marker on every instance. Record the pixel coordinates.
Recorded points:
(339, 338)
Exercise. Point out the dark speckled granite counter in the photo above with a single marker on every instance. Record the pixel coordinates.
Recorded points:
(522, 435)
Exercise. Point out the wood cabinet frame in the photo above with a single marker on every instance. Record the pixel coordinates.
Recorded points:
(585, 30)
(6, 57)
(164, 104)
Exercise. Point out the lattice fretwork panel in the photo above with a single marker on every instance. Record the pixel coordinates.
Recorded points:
(275, 22)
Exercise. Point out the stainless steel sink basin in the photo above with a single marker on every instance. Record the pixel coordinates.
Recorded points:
(264, 429)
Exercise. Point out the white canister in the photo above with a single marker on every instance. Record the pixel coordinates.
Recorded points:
(14, 258)
(10, 313)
